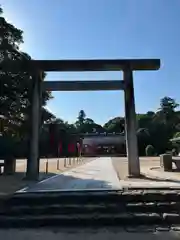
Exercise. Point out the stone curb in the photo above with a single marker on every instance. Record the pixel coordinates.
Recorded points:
(153, 176)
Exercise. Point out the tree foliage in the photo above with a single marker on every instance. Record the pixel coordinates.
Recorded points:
(115, 125)
(15, 88)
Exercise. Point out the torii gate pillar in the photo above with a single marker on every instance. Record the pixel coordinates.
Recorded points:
(33, 158)
(131, 125)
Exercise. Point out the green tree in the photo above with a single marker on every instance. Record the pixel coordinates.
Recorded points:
(91, 128)
(165, 124)
(87, 125)
(15, 88)
(166, 114)
(89, 121)
(145, 120)
(115, 125)
(80, 121)
(81, 117)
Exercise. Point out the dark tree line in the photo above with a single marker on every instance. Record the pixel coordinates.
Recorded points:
(153, 128)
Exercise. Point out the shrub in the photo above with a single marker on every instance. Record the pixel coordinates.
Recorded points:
(150, 150)
(174, 152)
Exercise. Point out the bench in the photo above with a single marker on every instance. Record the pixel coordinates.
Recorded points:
(176, 161)
(7, 166)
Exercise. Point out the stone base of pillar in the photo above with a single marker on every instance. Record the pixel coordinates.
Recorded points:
(32, 172)
(135, 176)
(31, 177)
(9, 166)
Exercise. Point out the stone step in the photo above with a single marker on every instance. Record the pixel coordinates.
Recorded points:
(123, 219)
(93, 197)
(113, 208)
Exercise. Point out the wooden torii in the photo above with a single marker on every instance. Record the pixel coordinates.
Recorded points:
(36, 67)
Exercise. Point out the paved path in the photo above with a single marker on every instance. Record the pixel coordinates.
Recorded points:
(97, 174)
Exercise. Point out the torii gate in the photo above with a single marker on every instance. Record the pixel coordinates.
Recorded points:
(35, 67)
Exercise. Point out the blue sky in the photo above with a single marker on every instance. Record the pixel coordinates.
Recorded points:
(82, 29)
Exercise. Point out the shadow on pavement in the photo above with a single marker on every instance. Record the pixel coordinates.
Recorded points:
(64, 182)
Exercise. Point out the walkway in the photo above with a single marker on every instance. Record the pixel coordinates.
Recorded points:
(97, 174)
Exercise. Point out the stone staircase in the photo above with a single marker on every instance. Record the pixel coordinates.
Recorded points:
(91, 208)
